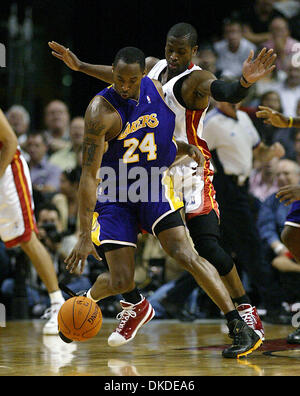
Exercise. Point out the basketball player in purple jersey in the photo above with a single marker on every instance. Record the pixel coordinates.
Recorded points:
(132, 118)
(289, 195)
(187, 91)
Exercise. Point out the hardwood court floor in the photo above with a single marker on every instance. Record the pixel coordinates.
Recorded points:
(162, 348)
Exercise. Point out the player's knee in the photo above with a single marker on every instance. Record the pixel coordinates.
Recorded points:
(182, 255)
(215, 254)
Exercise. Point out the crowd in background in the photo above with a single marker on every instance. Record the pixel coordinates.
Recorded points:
(54, 156)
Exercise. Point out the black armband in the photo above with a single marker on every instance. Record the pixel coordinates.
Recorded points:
(232, 92)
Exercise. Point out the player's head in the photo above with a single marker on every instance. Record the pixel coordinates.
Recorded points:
(181, 46)
(128, 71)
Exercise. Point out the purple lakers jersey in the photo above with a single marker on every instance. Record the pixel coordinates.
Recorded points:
(144, 146)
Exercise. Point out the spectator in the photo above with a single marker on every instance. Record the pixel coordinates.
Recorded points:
(281, 41)
(67, 158)
(256, 20)
(289, 90)
(297, 146)
(45, 176)
(57, 119)
(206, 58)
(59, 245)
(19, 120)
(286, 136)
(66, 200)
(263, 181)
(266, 132)
(271, 219)
(232, 50)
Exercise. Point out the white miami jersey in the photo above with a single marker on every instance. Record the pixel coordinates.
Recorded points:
(197, 187)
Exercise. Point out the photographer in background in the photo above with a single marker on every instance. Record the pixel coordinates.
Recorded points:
(59, 244)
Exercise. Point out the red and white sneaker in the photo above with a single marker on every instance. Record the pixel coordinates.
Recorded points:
(131, 319)
(249, 314)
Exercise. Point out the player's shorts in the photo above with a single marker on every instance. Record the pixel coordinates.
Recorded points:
(120, 223)
(293, 217)
(197, 190)
(16, 205)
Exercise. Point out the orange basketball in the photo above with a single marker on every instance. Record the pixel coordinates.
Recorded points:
(79, 318)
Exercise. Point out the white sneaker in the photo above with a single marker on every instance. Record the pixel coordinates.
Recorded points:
(51, 327)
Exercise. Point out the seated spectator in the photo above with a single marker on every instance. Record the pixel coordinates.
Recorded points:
(57, 119)
(286, 136)
(19, 120)
(232, 50)
(289, 90)
(206, 58)
(256, 20)
(66, 200)
(266, 132)
(263, 181)
(270, 223)
(281, 41)
(59, 245)
(67, 158)
(44, 176)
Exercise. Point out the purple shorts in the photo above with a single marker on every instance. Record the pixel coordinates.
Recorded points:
(293, 217)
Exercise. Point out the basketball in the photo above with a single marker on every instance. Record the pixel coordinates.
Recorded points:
(79, 319)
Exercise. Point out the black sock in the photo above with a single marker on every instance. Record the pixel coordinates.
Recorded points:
(242, 300)
(232, 315)
(133, 296)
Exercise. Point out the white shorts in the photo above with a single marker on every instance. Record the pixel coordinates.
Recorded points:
(16, 204)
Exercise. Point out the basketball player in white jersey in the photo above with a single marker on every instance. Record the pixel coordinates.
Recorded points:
(187, 91)
(17, 222)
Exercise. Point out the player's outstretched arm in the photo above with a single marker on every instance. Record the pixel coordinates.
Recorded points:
(272, 117)
(9, 141)
(101, 72)
(234, 92)
(97, 124)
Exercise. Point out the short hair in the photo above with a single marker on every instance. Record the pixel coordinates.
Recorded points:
(181, 30)
(50, 207)
(131, 55)
(73, 174)
(232, 21)
(42, 134)
(20, 109)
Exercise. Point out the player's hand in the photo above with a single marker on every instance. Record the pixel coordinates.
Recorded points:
(272, 117)
(196, 154)
(83, 248)
(255, 69)
(289, 194)
(65, 55)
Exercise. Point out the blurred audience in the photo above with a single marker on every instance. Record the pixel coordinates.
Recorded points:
(68, 157)
(263, 181)
(19, 119)
(233, 50)
(281, 41)
(270, 223)
(57, 120)
(44, 176)
(66, 200)
(256, 19)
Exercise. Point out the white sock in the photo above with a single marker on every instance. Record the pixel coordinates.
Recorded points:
(88, 294)
(56, 297)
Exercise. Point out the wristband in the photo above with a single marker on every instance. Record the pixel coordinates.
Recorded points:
(290, 122)
(245, 81)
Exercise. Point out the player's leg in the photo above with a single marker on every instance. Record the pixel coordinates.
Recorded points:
(18, 227)
(174, 241)
(116, 230)
(204, 231)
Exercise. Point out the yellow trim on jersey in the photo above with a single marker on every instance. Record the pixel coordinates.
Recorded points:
(95, 232)
(174, 200)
